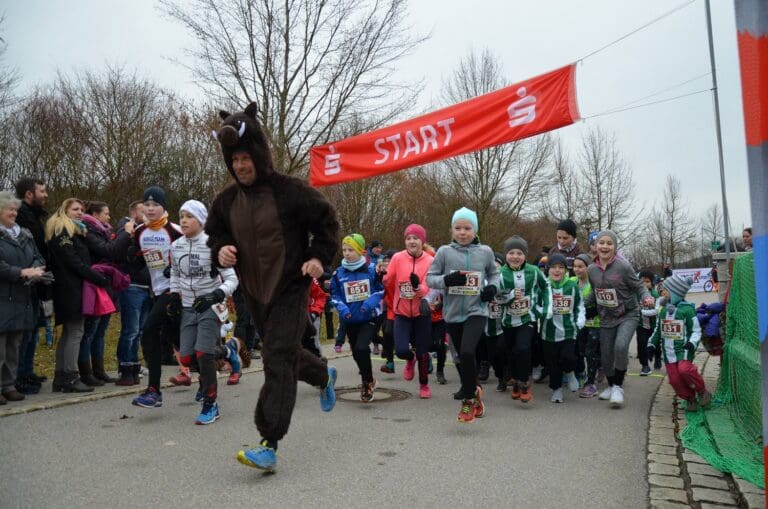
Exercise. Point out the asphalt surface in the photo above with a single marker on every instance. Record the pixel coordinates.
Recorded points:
(409, 453)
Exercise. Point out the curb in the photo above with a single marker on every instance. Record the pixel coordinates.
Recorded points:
(680, 478)
(110, 392)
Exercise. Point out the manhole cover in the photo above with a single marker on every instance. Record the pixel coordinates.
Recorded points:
(381, 395)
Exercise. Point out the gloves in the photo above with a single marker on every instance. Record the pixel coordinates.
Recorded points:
(204, 302)
(455, 279)
(690, 347)
(415, 281)
(167, 272)
(46, 278)
(488, 293)
(173, 308)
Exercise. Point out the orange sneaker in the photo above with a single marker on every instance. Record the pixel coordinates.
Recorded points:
(479, 408)
(515, 390)
(181, 379)
(467, 411)
(526, 394)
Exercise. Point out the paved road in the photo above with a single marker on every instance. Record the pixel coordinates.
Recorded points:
(409, 453)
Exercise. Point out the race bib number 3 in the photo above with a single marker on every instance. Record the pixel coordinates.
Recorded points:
(562, 304)
(355, 291)
(406, 290)
(154, 259)
(672, 329)
(471, 288)
(519, 307)
(606, 297)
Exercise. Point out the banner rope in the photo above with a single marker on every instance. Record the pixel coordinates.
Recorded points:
(610, 112)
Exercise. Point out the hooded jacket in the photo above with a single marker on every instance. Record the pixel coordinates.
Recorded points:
(357, 293)
(192, 273)
(405, 299)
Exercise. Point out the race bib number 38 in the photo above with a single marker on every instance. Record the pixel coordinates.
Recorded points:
(471, 288)
(154, 259)
(606, 297)
(355, 291)
(562, 304)
(672, 329)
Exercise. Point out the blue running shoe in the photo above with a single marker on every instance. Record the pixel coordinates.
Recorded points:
(208, 414)
(261, 457)
(233, 345)
(150, 398)
(328, 394)
(199, 395)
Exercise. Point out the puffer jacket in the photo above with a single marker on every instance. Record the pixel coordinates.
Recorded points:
(17, 303)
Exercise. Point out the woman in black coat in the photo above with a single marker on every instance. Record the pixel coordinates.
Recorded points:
(70, 262)
(20, 265)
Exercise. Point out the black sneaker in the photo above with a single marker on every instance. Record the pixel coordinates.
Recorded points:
(657, 363)
(457, 395)
(25, 385)
(501, 386)
(482, 373)
(441, 378)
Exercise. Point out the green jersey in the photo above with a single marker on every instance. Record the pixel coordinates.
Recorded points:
(676, 326)
(536, 301)
(593, 323)
(568, 314)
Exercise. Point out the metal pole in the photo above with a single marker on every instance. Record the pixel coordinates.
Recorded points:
(719, 143)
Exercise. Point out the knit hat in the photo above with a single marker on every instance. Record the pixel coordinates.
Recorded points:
(377, 243)
(197, 209)
(568, 226)
(417, 230)
(241, 132)
(556, 258)
(467, 214)
(608, 233)
(356, 242)
(678, 285)
(157, 195)
(584, 257)
(387, 255)
(516, 242)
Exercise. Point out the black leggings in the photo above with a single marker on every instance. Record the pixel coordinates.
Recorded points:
(518, 345)
(642, 336)
(561, 358)
(360, 336)
(158, 327)
(589, 346)
(438, 343)
(388, 340)
(465, 336)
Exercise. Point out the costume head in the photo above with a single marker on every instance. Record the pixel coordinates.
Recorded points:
(241, 132)
(678, 287)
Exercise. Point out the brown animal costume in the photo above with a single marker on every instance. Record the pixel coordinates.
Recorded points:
(277, 223)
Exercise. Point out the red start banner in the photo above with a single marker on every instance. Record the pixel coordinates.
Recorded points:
(531, 107)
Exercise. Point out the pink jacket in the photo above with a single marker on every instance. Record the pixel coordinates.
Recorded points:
(96, 300)
(397, 283)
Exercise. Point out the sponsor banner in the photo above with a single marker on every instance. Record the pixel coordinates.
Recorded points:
(702, 282)
(531, 107)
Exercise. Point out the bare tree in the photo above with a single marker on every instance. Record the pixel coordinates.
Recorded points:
(496, 182)
(672, 231)
(712, 223)
(565, 198)
(310, 65)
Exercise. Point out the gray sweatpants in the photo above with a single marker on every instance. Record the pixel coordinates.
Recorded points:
(69, 345)
(614, 345)
(9, 358)
(200, 332)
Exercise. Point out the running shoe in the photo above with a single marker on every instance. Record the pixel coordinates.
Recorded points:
(209, 414)
(573, 382)
(388, 367)
(589, 391)
(262, 457)
(606, 394)
(181, 379)
(328, 394)
(366, 391)
(600, 375)
(424, 391)
(645, 371)
(479, 406)
(410, 369)
(557, 395)
(467, 411)
(376, 350)
(337, 348)
(150, 398)
(233, 345)
(515, 390)
(538, 373)
(441, 378)
(526, 394)
(199, 395)
(617, 396)
(501, 386)
(234, 378)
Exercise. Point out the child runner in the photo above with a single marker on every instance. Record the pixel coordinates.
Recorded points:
(413, 318)
(152, 247)
(677, 337)
(435, 298)
(646, 324)
(494, 336)
(315, 307)
(460, 268)
(198, 286)
(357, 295)
(559, 331)
(527, 298)
(387, 328)
(589, 336)
(617, 291)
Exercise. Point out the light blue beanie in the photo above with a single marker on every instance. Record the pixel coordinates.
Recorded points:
(465, 213)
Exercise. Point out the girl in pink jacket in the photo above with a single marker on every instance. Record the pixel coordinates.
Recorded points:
(406, 280)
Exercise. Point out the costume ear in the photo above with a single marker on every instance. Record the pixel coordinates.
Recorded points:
(223, 114)
(250, 110)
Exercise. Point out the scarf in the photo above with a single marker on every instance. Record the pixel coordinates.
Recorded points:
(158, 223)
(13, 231)
(352, 266)
(566, 249)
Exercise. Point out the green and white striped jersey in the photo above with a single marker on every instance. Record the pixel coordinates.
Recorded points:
(536, 302)
(674, 330)
(568, 314)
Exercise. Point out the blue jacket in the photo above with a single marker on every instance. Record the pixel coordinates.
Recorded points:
(358, 293)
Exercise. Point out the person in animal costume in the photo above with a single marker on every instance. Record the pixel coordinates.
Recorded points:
(278, 233)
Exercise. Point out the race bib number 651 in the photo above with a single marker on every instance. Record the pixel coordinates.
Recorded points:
(355, 291)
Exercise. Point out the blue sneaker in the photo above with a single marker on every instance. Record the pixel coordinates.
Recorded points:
(208, 414)
(261, 457)
(233, 345)
(149, 399)
(328, 394)
(199, 395)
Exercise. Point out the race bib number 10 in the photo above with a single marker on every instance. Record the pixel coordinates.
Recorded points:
(471, 288)
(672, 329)
(154, 259)
(606, 297)
(355, 291)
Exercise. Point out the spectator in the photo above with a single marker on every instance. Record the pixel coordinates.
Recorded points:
(71, 264)
(32, 216)
(746, 238)
(567, 245)
(135, 214)
(20, 263)
(375, 252)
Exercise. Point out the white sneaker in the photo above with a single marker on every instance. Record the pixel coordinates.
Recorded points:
(617, 396)
(573, 382)
(606, 394)
(557, 396)
(536, 375)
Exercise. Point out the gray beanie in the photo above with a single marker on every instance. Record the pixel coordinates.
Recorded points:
(679, 285)
(608, 233)
(584, 257)
(516, 242)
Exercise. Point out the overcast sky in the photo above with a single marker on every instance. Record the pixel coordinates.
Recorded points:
(528, 37)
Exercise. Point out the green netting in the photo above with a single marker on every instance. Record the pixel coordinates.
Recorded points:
(729, 434)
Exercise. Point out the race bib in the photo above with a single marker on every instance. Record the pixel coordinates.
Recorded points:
(562, 304)
(519, 307)
(672, 329)
(355, 291)
(606, 297)
(221, 310)
(471, 288)
(154, 259)
(406, 290)
(494, 309)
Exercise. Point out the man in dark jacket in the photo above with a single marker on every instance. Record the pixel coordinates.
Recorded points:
(32, 216)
